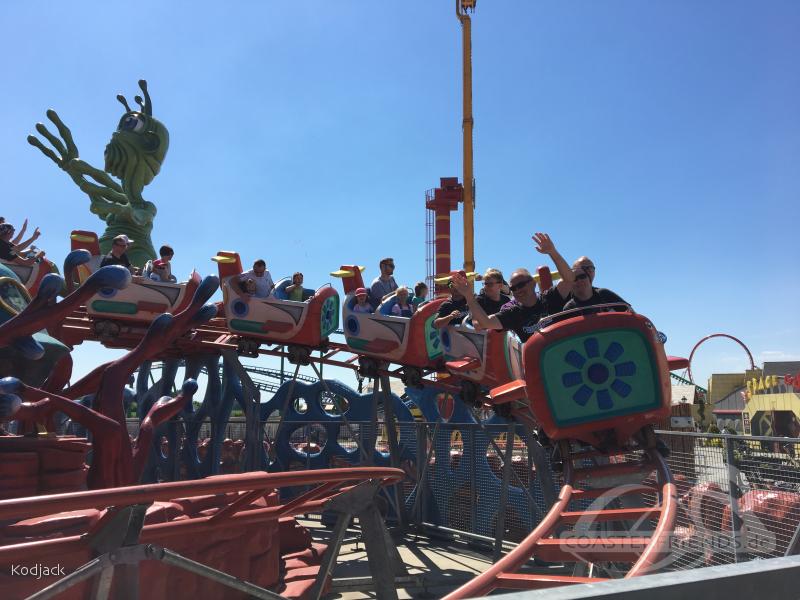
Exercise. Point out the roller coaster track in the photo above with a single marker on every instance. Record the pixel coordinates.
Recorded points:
(214, 337)
(236, 501)
(264, 386)
(684, 381)
(635, 488)
(252, 369)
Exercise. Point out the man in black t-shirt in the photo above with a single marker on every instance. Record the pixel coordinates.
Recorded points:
(453, 309)
(522, 317)
(491, 297)
(583, 292)
(118, 254)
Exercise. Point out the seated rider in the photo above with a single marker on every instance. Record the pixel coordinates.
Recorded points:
(119, 254)
(491, 297)
(262, 278)
(521, 318)
(166, 253)
(160, 271)
(583, 293)
(8, 251)
(420, 294)
(295, 290)
(362, 305)
(248, 286)
(384, 285)
(19, 243)
(402, 308)
(455, 308)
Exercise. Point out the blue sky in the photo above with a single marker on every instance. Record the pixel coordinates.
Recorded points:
(661, 138)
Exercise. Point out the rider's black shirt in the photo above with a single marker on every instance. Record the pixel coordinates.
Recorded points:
(599, 296)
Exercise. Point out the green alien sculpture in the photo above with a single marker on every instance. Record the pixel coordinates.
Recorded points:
(134, 155)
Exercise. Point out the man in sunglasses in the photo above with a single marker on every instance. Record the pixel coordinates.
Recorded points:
(119, 254)
(583, 293)
(383, 286)
(522, 317)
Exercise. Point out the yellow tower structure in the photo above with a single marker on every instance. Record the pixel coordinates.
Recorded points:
(463, 8)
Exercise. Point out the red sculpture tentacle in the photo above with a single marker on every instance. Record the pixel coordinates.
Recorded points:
(42, 313)
(161, 412)
(59, 376)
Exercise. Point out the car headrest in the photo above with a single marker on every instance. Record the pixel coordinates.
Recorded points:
(387, 305)
(280, 288)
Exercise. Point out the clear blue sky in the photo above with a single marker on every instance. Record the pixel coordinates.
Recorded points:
(660, 138)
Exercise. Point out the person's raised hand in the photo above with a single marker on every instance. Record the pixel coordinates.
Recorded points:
(544, 245)
(461, 284)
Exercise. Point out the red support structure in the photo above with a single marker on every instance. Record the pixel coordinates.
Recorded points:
(441, 202)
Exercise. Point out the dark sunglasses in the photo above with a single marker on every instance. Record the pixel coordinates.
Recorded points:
(520, 284)
(491, 282)
(581, 276)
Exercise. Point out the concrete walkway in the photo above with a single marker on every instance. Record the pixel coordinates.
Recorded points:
(435, 566)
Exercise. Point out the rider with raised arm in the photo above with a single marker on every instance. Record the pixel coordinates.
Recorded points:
(8, 251)
(583, 293)
(521, 318)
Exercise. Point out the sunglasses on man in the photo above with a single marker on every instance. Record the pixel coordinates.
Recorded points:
(520, 284)
(581, 276)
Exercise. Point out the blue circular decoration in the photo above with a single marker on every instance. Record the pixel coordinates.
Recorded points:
(598, 373)
(446, 341)
(352, 325)
(662, 337)
(604, 366)
(239, 308)
(107, 292)
(327, 314)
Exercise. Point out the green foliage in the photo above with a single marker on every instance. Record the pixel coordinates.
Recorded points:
(713, 442)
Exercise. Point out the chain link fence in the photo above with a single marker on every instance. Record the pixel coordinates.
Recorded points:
(739, 496)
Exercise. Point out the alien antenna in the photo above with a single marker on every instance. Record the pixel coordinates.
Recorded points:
(124, 102)
(148, 106)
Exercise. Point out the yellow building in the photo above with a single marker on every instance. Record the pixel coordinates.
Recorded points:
(758, 401)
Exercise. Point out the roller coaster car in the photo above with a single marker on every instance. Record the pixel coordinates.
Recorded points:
(86, 240)
(487, 358)
(142, 300)
(589, 376)
(277, 319)
(408, 341)
(31, 275)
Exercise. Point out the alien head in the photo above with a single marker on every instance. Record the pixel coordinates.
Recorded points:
(139, 145)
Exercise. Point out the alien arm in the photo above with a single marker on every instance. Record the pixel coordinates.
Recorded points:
(78, 168)
(66, 157)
